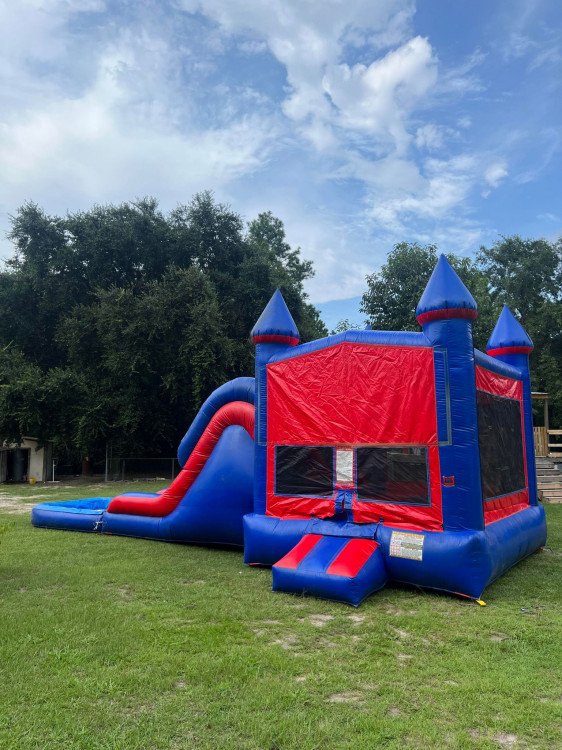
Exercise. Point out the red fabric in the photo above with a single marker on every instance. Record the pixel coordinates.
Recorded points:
(294, 558)
(415, 517)
(236, 413)
(275, 338)
(509, 350)
(499, 385)
(352, 394)
(297, 508)
(447, 313)
(355, 394)
(352, 557)
(501, 507)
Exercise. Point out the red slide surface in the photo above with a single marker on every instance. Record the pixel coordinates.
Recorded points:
(236, 413)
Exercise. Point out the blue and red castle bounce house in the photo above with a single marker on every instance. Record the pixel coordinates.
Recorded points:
(359, 459)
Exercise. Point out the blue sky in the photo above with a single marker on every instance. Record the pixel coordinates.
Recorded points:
(360, 123)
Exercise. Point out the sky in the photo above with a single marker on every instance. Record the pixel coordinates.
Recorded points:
(360, 123)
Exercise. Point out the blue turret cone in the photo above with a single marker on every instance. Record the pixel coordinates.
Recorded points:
(445, 296)
(508, 333)
(276, 324)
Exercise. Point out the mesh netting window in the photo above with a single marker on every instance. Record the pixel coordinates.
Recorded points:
(501, 445)
(393, 475)
(304, 470)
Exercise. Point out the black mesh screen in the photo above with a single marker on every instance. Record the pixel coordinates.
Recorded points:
(501, 445)
(304, 470)
(393, 475)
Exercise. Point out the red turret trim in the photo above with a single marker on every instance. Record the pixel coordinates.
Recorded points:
(447, 313)
(274, 338)
(509, 350)
(235, 413)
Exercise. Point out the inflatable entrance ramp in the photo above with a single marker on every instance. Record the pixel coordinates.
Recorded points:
(339, 568)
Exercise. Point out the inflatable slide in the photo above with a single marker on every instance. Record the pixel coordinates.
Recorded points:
(207, 500)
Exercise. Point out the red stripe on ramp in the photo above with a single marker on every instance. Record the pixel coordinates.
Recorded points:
(352, 557)
(293, 558)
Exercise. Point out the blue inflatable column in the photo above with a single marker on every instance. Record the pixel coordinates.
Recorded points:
(511, 344)
(274, 332)
(445, 312)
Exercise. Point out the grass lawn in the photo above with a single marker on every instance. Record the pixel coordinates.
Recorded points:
(125, 644)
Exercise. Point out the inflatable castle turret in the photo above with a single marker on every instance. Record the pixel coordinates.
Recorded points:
(445, 312)
(510, 343)
(274, 332)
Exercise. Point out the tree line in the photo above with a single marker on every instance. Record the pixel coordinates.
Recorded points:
(117, 322)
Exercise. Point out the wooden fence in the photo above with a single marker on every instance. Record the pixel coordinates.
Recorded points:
(547, 442)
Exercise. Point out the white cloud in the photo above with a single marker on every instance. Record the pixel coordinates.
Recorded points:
(495, 173)
(430, 137)
(377, 99)
(129, 131)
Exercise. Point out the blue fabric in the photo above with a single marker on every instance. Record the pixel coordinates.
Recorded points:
(496, 365)
(239, 389)
(89, 505)
(276, 319)
(383, 338)
(445, 290)
(71, 515)
(460, 458)
(442, 394)
(508, 331)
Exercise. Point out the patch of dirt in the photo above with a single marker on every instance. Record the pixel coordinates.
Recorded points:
(125, 593)
(259, 632)
(301, 678)
(394, 711)
(14, 507)
(181, 685)
(356, 619)
(506, 740)
(326, 643)
(451, 683)
(498, 637)
(404, 658)
(350, 697)
(288, 642)
(475, 734)
(320, 620)
(403, 635)
(271, 622)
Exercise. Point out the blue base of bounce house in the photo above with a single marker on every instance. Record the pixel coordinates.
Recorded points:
(460, 562)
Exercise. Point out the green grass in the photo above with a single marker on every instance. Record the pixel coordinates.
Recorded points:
(125, 644)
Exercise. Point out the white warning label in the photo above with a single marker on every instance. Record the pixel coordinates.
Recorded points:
(344, 466)
(405, 545)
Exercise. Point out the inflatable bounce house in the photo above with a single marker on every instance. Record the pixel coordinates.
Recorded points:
(358, 459)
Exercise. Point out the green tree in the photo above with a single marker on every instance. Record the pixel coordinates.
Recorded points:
(527, 275)
(120, 320)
